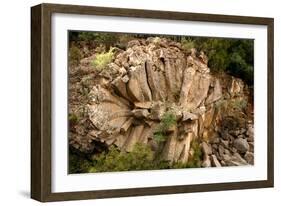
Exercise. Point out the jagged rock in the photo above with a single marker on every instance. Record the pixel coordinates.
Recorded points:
(235, 87)
(206, 161)
(215, 162)
(216, 93)
(241, 145)
(235, 133)
(155, 72)
(221, 150)
(227, 152)
(225, 143)
(243, 130)
(152, 77)
(235, 160)
(188, 116)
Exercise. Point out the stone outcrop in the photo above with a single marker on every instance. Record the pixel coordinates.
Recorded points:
(153, 77)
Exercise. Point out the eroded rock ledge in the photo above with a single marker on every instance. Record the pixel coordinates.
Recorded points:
(151, 78)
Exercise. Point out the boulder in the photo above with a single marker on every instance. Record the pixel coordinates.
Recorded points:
(235, 160)
(241, 145)
(215, 162)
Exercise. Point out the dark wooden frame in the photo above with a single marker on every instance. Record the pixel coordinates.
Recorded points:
(41, 101)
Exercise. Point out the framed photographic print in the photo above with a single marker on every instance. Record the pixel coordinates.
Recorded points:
(132, 102)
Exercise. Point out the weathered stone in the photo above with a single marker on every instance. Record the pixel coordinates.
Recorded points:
(249, 157)
(241, 145)
(227, 152)
(221, 150)
(214, 140)
(233, 149)
(216, 93)
(214, 147)
(207, 149)
(243, 130)
(188, 116)
(251, 144)
(148, 79)
(250, 134)
(206, 162)
(241, 136)
(236, 87)
(235, 133)
(140, 113)
(225, 143)
(215, 162)
(250, 131)
(235, 160)
(223, 163)
(226, 136)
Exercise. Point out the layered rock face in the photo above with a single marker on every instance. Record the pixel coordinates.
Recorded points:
(129, 100)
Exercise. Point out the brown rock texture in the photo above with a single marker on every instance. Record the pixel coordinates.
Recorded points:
(127, 101)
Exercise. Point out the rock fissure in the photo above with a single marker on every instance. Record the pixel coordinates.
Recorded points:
(152, 79)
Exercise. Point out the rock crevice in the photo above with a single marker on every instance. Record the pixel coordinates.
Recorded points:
(152, 78)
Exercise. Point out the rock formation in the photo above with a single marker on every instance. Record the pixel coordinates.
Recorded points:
(128, 100)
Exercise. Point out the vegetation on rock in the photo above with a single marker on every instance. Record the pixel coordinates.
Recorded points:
(102, 60)
(167, 121)
(144, 102)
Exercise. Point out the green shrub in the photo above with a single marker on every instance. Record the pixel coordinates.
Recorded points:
(72, 118)
(159, 136)
(187, 43)
(107, 39)
(102, 60)
(167, 121)
(239, 104)
(78, 163)
(140, 158)
(74, 55)
(235, 56)
(196, 158)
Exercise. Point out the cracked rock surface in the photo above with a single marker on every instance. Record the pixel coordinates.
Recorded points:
(126, 102)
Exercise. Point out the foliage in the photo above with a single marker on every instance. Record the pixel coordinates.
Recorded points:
(72, 118)
(234, 56)
(187, 43)
(233, 112)
(238, 104)
(102, 60)
(167, 121)
(140, 158)
(78, 163)
(74, 55)
(107, 39)
(159, 136)
(195, 160)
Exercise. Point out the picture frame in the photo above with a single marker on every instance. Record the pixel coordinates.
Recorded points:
(42, 89)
